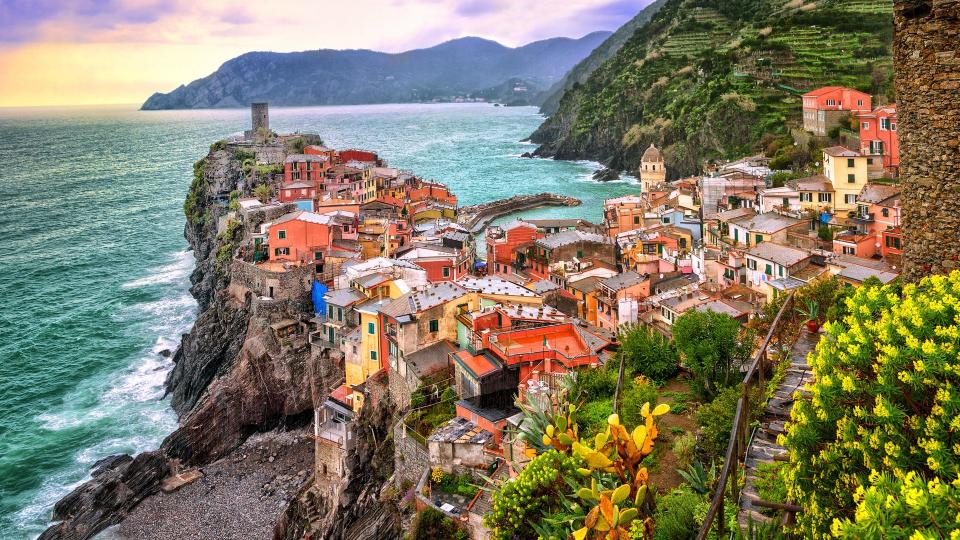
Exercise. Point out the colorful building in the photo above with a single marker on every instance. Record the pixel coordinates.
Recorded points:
(824, 107)
(848, 172)
(879, 139)
(299, 237)
(309, 168)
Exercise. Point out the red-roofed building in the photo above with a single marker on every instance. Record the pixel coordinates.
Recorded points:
(823, 107)
(299, 236)
(302, 193)
(879, 140)
(309, 168)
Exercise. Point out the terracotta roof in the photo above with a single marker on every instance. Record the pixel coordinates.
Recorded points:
(875, 193)
(813, 183)
(841, 151)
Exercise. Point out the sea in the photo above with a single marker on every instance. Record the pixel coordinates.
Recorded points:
(95, 270)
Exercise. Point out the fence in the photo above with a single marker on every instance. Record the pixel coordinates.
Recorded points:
(740, 433)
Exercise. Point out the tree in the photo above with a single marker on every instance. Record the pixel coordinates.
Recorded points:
(711, 345)
(263, 192)
(648, 353)
(874, 453)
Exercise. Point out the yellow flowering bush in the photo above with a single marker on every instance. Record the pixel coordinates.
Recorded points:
(875, 450)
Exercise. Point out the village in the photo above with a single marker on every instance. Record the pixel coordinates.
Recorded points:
(412, 303)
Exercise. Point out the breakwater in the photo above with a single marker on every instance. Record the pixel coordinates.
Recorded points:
(476, 217)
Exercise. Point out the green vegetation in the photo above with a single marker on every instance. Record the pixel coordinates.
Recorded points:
(432, 403)
(581, 488)
(770, 480)
(454, 484)
(193, 204)
(263, 192)
(648, 353)
(676, 515)
(712, 347)
(432, 524)
(707, 79)
(874, 452)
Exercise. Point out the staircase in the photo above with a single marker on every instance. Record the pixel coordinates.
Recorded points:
(763, 446)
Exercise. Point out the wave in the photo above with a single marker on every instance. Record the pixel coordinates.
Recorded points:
(178, 270)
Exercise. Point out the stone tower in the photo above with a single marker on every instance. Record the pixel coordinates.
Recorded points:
(652, 169)
(926, 56)
(260, 116)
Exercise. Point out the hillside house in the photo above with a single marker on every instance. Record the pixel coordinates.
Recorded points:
(848, 171)
(823, 108)
(879, 140)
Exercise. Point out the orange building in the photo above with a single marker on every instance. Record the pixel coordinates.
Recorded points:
(299, 237)
(878, 137)
(824, 107)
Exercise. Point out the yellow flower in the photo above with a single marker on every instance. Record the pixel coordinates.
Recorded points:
(918, 365)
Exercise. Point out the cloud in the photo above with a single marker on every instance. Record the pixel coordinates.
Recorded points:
(177, 41)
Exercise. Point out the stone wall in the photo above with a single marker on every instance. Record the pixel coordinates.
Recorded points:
(926, 53)
(410, 458)
(293, 285)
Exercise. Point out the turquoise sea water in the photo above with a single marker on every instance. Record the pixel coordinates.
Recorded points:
(95, 269)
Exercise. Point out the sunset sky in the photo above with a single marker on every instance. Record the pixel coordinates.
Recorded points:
(85, 52)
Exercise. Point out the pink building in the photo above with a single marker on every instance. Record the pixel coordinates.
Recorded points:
(823, 107)
(879, 140)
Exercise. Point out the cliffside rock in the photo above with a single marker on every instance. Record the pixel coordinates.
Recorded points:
(606, 175)
(106, 499)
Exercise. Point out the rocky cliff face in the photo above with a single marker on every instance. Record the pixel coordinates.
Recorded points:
(232, 377)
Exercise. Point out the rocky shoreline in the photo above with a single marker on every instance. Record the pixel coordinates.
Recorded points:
(240, 496)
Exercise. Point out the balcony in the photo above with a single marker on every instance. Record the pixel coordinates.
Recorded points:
(862, 217)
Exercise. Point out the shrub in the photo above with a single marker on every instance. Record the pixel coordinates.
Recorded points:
(634, 397)
(771, 481)
(711, 345)
(676, 515)
(431, 524)
(874, 450)
(592, 416)
(648, 353)
(684, 447)
(716, 420)
(594, 383)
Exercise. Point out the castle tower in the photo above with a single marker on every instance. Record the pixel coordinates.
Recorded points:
(653, 171)
(926, 58)
(260, 116)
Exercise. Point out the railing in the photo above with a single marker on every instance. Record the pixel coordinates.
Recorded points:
(740, 432)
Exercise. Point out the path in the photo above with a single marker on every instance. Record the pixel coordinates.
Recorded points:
(763, 447)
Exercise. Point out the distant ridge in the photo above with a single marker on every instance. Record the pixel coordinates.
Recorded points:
(464, 67)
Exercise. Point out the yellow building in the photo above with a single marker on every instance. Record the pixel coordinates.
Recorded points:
(815, 193)
(848, 172)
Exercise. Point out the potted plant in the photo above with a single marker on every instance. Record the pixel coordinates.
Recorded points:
(811, 310)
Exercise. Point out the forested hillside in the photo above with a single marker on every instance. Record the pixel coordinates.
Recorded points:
(706, 79)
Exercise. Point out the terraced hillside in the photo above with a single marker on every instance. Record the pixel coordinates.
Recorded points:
(707, 79)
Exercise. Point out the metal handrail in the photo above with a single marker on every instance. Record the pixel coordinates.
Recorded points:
(737, 448)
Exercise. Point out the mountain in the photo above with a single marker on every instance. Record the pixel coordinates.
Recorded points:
(708, 79)
(582, 71)
(456, 68)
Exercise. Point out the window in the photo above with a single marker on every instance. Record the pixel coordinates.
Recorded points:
(865, 125)
(851, 179)
(824, 197)
(371, 328)
(282, 234)
(757, 238)
(434, 325)
(876, 147)
(847, 250)
(665, 220)
(636, 220)
(850, 198)
(373, 355)
(893, 127)
(885, 212)
(752, 264)
(831, 102)
(446, 271)
(768, 270)
(780, 271)
(869, 161)
(579, 253)
(884, 124)
(851, 162)
(281, 251)
(859, 103)
(806, 197)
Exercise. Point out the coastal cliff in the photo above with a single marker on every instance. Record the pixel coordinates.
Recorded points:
(232, 377)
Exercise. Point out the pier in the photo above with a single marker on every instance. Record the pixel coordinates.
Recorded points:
(476, 217)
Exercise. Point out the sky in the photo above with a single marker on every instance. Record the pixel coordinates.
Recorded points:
(91, 52)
